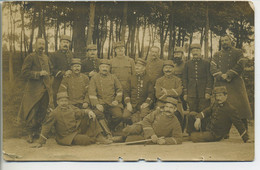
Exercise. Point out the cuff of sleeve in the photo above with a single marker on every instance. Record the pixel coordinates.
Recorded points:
(148, 100)
(127, 99)
(208, 90)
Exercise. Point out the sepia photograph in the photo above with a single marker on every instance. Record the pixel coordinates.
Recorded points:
(128, 81)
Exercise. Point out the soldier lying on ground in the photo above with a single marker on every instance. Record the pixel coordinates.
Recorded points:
(222, 116)
(73, 126)
(157, 124)
(138, 94)
(76, 85)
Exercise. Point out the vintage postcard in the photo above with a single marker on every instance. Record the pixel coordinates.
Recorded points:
(128, 81)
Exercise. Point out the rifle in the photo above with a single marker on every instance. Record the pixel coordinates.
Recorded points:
(133, 142)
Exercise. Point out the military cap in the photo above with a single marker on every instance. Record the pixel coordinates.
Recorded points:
(171, 100)
(62, 95)
(91, 47)
(65, 37)
(140, 61)
(178, 49)
(195, 46)
(105, 61)
(168, 62)
(119, 44)
(220, 89)
(75, 61)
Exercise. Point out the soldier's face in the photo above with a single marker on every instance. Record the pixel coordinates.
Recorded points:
(63, 102)
(40, 45)
(92, 53)
(104, 69)
(154, 53)
(178, 54)
(120, 51)
(64, 44)
(196, 52)
(139, 68)
(76, 68)
(225, 42)
(167, 70)
(221, 97)
(169, 109)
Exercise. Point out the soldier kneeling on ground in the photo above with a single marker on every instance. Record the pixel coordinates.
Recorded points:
(73, 126)
(222, 115)
(161, 126)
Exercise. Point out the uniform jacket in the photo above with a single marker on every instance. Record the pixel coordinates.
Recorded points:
(173, 86)
(178, 69)
(36, 85)
(105, 89)
(89, 64)
(66, 122)
(197, 78)
(232, 62)
(77, 88)
(123, 68)
(139, 89)
(222, 117)
(154, 69)
(157, 123)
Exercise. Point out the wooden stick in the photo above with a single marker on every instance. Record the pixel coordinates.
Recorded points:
(133, 142)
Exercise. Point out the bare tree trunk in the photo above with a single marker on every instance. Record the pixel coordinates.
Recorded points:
(40, 31)
(211, 50)
(117, 31)
(183, 37)
(172, 31)
(44, 31)
(132, 40)
(206, 55)
(202, 33)
(56, 35)
(91, 22)
(124, 22)
(64, 29)
(23, 30)
(163, 36)
(179, 37)
(110, 39)
(191, 37)
(142, 47)
(137, 41)
(32, 32)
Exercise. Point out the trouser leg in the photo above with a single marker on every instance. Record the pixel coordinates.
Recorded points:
(203, 103)
(180, 118)
(116, 116)
(193, 103)
(203, 137)
(245, 123)
(103, 122)
(81, 139)
(127, 116)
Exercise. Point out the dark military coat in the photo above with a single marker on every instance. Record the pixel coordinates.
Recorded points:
(154, 69)
(158, 123)
(232, 62)
(139, 89)
(197, 79)
(77, 88)
(89, 64)
(222, 117)
(36, 85)
(178, 70)
(105, 89)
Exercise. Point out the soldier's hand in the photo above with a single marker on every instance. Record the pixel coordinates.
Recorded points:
(164, 90)
(38, 145)
(161, 141)
(100, 107)
(197, 124)
(92, 73)
(115, 103)
(91, 115)
(144, 105)
(44, 73)
(249, 141)
(67, 73)
(207, 96)
(154, 138)
(129, 107)
(85, 105)
(185, 97)
(224, 76)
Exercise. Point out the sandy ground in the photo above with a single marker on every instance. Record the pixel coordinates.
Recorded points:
(232, 149)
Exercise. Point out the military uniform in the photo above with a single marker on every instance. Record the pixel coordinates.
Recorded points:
(72, 126)
(157, 123)
(197, 81)
(103, 90)
(36, 97)
(179, 67)
(231, 62)
(61, 61)
(154, 69)
(222, 116)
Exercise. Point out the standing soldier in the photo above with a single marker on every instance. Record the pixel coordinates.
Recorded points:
(61, 61)
(122, 66)
(105, 94)
(154, 64)
(227, 67)
(197, 81)
(138, 94)
(36, 69)
(76, 85)
(90, 63)
(178, 61)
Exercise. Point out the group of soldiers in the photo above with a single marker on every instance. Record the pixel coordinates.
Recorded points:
(91, 100)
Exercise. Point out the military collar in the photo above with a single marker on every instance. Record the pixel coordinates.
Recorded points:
(196, 59)
(169, 76)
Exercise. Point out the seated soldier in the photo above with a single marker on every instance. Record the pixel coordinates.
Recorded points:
(162, 126)
(139, 94)
(76, 85)
(222, 116)
(73, 126)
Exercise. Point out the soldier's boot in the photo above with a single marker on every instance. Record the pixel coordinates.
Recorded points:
(100, 139)
(104, 126)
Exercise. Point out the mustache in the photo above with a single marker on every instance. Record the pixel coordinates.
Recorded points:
(65, 46)
(77, 70)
